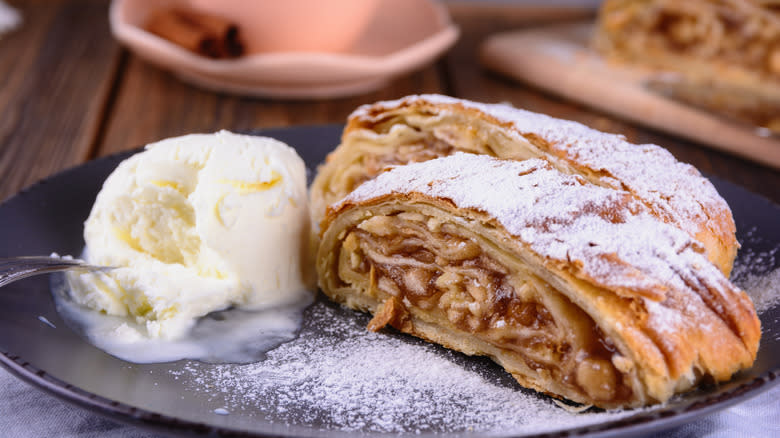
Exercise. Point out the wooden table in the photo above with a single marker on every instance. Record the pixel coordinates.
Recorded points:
(70, 93)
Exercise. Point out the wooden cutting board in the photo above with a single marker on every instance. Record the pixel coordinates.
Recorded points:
(559, 59)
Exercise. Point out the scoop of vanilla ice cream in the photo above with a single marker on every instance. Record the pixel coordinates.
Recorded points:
(196, 224)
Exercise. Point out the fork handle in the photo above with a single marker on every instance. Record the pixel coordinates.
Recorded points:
(16, 268)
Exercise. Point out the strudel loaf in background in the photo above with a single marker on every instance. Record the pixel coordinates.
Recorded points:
(726, 52)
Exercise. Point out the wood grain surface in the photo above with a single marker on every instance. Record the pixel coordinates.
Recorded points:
(69, 93)
(56, 72)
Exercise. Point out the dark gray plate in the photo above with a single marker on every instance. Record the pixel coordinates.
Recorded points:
(48, 216)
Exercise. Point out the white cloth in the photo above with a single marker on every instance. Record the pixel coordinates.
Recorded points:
(10, 18)
(28, 412)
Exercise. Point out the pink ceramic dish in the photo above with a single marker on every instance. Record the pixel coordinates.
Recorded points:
(365, 47)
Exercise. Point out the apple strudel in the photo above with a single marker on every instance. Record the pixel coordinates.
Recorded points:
(579, 291)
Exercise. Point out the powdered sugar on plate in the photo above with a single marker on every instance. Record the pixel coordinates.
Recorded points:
(758, 272)
(764, 289)
(339, 376)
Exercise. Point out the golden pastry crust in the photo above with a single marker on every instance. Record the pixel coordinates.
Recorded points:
(579, 291)
(729, 47)
(420, 128)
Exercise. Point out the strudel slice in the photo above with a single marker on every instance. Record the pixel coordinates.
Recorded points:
(579, 291)
(420, 128)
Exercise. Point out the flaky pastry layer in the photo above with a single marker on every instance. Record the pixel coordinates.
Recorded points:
(420, 128)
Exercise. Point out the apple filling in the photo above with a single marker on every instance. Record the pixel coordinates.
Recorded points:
(424, 271)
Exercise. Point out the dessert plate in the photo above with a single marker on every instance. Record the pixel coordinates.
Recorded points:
(385, 40)
(336, 379)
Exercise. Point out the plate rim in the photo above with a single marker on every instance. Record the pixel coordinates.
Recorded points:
(641, 422)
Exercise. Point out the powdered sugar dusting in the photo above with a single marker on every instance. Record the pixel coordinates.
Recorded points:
(672, 189)
(757, 272)
(561, 217)
(763, 290)
(339, 376)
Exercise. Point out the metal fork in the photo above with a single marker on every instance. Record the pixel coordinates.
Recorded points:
(17, 268)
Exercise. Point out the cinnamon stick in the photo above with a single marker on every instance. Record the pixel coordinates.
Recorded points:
(205, 34)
